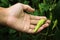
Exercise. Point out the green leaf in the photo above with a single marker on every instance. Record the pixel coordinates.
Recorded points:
(4, 1)
(51, 16)
(43, 7)
(55, 24)
(26, 2)
(11, 31)
(35, 13)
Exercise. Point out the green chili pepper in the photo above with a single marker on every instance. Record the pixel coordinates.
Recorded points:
(39, 24)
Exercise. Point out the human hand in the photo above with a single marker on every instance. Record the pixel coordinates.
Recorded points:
(21, 21)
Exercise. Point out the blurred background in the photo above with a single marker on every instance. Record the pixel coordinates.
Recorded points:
(48, 8)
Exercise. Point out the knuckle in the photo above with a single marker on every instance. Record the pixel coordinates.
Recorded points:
(45, 17)
(48, 21)
(46, 25)
(18, 3)
(27, 5)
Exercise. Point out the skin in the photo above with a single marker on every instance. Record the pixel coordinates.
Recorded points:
(15, 17)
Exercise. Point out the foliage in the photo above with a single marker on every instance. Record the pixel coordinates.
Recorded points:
(48, 8)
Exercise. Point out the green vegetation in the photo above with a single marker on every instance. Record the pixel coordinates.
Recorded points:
(48, 8)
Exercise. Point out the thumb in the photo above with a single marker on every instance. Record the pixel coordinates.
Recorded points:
(28, 8)
(24, 7)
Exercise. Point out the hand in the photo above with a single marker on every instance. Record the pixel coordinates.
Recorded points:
(21, 21)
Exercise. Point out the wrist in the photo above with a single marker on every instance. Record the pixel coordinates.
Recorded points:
(3, 16)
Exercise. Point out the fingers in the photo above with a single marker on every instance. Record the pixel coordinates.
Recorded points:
(32, 26)
(48, 21)
(28, 8)
(44, 26)
(30, 31)
(37, 17)
(34, 21)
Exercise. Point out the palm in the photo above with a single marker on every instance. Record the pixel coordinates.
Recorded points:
(21, 21)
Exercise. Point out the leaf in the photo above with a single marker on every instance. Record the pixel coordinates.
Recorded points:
(43, 7)
(4, 1)
(55, 24)
(51, 16)
(11, 31)
(52, 7)
(35, 13)
(26, 2)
